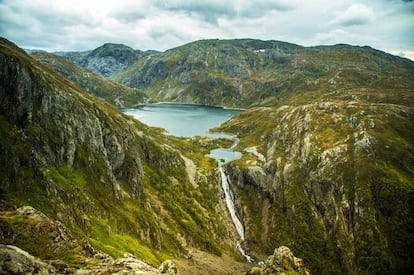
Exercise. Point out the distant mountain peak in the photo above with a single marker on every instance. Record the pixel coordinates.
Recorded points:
(108, 59)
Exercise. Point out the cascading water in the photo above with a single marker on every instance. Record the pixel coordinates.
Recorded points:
(228, 195)
(223, 156)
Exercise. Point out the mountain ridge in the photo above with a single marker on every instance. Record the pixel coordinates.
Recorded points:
(246, 72)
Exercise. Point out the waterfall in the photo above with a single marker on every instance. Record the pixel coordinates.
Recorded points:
(224, 156)
(230, 203)
(230, 206)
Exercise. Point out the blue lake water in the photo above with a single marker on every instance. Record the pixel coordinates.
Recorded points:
(182, 120)
(185, 120)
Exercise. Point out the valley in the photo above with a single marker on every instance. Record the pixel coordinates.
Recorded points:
(323, 161)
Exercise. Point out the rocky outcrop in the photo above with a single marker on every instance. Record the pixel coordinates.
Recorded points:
(14, 260)
(281, 262)
(33, 231)
(107, 59)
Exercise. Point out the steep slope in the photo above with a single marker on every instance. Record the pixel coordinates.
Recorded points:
(332, 178)
(114, 182)
(113, 92)
(246, 72)
(105, 60)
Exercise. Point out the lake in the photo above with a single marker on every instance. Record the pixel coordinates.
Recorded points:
(185, 120)
(182, 120)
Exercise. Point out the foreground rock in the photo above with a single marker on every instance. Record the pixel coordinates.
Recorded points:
(57, 251)
(281, 262)
(14, 260)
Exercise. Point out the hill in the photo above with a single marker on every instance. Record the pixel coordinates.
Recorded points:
(107, 59)
(113, 92)
(245, 73)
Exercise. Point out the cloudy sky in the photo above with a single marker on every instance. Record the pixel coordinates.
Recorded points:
(162, 24)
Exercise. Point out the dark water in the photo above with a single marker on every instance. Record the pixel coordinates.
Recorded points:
(181, 119)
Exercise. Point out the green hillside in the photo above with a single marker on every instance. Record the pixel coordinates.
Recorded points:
(113, 92)
(246, 72)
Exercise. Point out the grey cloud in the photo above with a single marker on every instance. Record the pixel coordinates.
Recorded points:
(354, 21)
(212, 11)
(39, 26)
(356, 14)
(209, 11)
(130, 16)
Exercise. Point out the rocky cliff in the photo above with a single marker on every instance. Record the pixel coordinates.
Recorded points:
(107, 59)
(247, 72)
(115, 183)
(333, 179)
(113, 92)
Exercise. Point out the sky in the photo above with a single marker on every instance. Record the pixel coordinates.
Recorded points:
(78, 25)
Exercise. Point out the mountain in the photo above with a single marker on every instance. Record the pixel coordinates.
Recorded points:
(106, 60)
(113, 92)
(70, 162)
(332, 177)
(245, 72)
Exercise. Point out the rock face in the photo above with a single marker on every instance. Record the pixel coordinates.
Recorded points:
(246, 72)
(37, 101)
(332, 179)
(107, 59)
(113, 92)
(281, 262)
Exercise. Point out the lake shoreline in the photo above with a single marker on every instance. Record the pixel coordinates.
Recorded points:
(189, 104)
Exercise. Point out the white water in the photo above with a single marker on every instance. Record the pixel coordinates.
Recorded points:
(229, 197)
(230, 206)
(230, 203)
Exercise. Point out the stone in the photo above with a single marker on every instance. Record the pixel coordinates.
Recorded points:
(14, 260)
(168, 267)
(281, 262)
